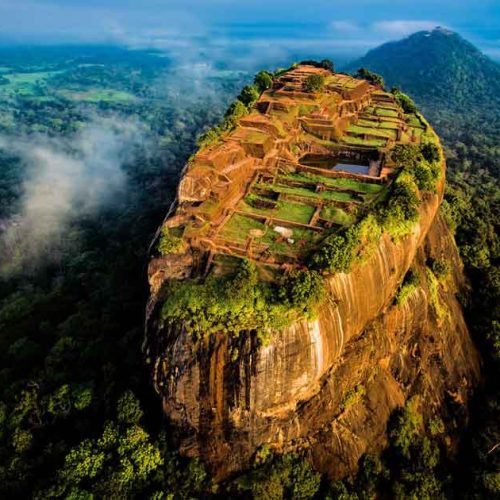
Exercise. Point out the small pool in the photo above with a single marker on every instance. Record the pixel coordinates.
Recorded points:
(334, 163)
(352, 168)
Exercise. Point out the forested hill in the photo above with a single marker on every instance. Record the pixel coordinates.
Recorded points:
(437, 65)
(458, 87)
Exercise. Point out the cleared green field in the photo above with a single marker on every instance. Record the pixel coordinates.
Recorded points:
(36, 85)
(238, 227)
(294, 212)
(99, 95)
(337, 215)
(25, 84)
(303, 191)
(357, 141)
(340, 182)
(379, 132)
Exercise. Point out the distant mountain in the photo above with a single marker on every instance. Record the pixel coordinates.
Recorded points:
(437, 67)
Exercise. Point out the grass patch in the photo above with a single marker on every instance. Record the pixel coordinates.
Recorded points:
(413, 120)
(304, 240)
(386, 112)
(379, 132)
(306, 109)
(340, 182)
(238, 227)
(387, 105)
(294, 212)
(415, 131)
(255, 137)
(99, 95)
(378, 125)
(279, 126)
(337, 215)
(302, 191)
(358, 141)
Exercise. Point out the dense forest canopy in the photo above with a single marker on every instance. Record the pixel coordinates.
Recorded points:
(71, 315)
(458, 88)
(77, 413)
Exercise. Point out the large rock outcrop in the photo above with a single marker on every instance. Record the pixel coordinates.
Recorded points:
(228, 396)
(327, 387)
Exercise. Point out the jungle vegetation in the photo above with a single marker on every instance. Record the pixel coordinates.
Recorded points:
(78, 416)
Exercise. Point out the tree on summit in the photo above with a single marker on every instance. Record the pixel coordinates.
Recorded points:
(327, 64)
(314, 83)
(370, 76)
(263, 80)
(249, 95)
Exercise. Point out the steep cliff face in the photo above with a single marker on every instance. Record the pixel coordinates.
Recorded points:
(327, 386)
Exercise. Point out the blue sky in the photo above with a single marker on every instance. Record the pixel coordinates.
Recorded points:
(248, 29)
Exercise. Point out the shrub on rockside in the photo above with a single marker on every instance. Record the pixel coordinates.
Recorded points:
(405, 101)
(407, 287)
(241, 302)
(303, 291)
(339, 251)
(263, 80)
(314, 83)
(372, 77)
(168, 242)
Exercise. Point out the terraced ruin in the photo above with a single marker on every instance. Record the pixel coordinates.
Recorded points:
(291, 293)
(300, 165)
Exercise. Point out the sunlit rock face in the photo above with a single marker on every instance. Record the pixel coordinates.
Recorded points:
(325, 387)
(227, 396)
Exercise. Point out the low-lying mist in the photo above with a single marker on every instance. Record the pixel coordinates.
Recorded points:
(69, 178)
(65, 178)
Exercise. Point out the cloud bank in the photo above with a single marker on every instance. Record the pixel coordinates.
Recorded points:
(65, 179)
(404, 27)
(272, 30)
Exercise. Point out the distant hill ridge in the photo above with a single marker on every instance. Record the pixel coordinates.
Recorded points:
(437, 66)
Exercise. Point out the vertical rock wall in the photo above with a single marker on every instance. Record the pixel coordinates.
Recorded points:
(227, 396)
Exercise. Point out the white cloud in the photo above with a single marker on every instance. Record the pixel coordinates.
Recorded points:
(493, 52)
(65, 178)
(404, 27)
(345, 26)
